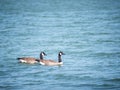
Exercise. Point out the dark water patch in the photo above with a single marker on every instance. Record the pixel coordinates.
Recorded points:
(108, 41)
(7, 87)
(117, 80)
(3, 73)
(105, 55)
(37, 82)
(105, 87)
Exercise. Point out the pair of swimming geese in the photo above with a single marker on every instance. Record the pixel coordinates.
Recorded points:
(42, 61)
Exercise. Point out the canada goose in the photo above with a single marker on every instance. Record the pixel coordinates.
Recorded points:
(51, 62)
(31, 60)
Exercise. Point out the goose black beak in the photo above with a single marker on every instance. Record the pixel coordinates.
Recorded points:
(63, 54)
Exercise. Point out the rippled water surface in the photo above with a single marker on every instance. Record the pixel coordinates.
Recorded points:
(87, 31)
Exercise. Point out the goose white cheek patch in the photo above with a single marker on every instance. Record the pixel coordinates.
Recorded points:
(60, 53)
(42, 54)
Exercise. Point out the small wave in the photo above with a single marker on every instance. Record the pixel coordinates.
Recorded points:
(3, 73)
(103, 54)
(114, 80)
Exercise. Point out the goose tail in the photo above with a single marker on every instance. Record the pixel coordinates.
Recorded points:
(19, 58)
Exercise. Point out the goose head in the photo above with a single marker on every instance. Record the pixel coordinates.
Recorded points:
(61, 53)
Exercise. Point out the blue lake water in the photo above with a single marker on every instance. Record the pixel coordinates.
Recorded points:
(87, 31)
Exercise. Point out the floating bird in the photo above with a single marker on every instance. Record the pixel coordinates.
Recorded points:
(52, 62)
(31, 60)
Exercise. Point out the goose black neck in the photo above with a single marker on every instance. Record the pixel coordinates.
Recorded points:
(41, 57)
(59, 58)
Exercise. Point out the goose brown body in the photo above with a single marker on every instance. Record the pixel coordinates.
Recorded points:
(50, 63)
(28, 60)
